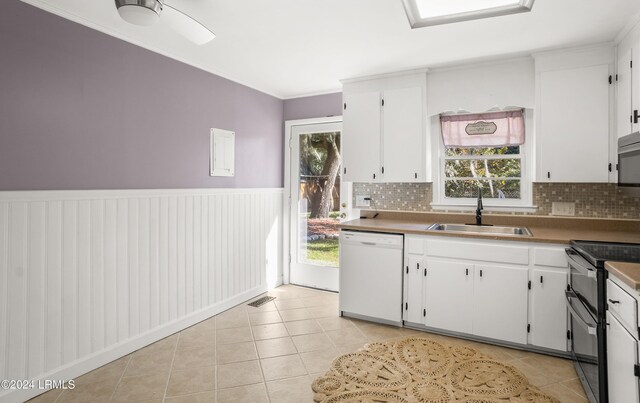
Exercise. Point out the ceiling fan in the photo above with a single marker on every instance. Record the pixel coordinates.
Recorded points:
(148, 12)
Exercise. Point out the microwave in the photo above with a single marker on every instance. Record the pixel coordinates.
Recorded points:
(629, 160)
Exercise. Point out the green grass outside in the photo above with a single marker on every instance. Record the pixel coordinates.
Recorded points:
(323, 251)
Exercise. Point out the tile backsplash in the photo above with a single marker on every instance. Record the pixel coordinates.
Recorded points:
(597, 200)
(396, 196)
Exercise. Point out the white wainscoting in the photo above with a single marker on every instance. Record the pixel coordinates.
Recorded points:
(89, 276)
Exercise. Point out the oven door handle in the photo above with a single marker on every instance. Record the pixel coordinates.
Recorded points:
(572, 255)
(628, 148)
(591, 329)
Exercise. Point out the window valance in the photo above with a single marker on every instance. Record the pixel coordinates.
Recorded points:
(487, 129)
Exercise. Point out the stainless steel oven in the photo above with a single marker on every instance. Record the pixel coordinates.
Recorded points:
(586, 304)
(629, 160)
(586, 324)
(584, 345)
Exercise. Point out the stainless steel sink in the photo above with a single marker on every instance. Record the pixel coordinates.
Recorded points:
(484, 229)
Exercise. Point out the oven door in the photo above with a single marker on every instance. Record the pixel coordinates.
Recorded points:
(583, 278)
(629, 160)
(584, 344)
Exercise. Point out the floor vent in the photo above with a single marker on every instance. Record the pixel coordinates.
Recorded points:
(261, 301)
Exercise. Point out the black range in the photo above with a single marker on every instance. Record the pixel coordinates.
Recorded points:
(586, 302)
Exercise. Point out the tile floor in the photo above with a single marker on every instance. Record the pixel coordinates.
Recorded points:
(271, 354)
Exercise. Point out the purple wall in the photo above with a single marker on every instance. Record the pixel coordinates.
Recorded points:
(82, 110)
(313, 107)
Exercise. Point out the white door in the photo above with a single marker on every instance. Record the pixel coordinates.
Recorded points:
(635, 84)
(403, 135)
(548, 321)
(574, 125)
(413, 277)
(500, 303)
(318, 203)
(622, 355)
(624, 94)
(362, 126)
(449, 296)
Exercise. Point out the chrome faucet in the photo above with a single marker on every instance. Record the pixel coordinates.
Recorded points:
(479, 208)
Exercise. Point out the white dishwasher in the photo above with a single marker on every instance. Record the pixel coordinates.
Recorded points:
(371, 276)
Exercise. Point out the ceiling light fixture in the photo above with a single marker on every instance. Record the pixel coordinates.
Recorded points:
(425, 13)
(147, 13)
(139, 12)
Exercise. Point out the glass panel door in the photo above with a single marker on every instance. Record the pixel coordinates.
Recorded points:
(316, 205)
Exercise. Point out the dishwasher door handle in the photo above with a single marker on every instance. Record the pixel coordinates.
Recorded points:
(369, 243)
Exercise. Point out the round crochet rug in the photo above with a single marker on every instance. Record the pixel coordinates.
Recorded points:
(416, 370)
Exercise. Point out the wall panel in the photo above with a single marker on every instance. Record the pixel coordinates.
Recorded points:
(87, 276)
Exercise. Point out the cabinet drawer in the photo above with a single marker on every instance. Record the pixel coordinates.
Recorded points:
(550, 257)
(414, 245)
(623, 305)
(486, 252)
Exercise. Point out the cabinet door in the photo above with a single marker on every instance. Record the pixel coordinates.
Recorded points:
(635, 84)
(574, 125)
(623, 95)
(413, 302)
(622, 355)
(361, 137)
(548, 312)
(403, 135)
(449, 296)
(500, 303)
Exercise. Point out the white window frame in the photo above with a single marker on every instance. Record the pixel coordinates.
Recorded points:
(417, 21)
(524, 204)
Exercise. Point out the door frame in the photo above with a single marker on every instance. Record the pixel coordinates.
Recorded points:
(286, 201)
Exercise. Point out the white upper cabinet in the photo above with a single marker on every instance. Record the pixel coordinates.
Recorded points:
(624, 87)
(403, 150)
(628, 84)
(573, 119)
(635, 82)
(361, 137)
(384, 136)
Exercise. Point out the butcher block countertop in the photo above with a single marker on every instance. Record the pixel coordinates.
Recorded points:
(629, 273)
(548, 229)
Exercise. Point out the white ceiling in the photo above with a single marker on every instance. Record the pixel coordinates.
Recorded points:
(291, 48)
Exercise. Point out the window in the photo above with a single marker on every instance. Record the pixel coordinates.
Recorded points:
(424, 13)
(485, 152)
(495, 170)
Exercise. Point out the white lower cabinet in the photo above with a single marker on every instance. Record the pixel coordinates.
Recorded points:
(622, 357)
(448, 295)
(413, 275)
(500, 303)
(516, 299)
(548, 317)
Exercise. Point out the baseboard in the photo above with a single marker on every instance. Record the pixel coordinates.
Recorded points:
(371, 319)
(495, 342)
(91, 362)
